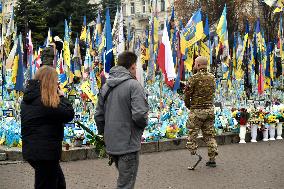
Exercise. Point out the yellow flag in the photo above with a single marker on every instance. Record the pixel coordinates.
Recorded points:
(205, 51)
(277, 10)
(15, 69)
(102, 45)
(183, 44)
(189, 61)
(198, 33)
(86, 88)
(99, 82)
(83, 35)
(66, 54)
(7, 42)
(267, 83)
(71, 75)
(272, 66)
(239, 73)
(156, 35)
(229, 84)
(143, 54)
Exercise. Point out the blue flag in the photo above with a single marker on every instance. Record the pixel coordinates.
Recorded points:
(19, 86)
(108, 45)
(206, 27)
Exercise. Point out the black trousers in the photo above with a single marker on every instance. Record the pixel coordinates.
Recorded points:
(48, 175)
(127, 166)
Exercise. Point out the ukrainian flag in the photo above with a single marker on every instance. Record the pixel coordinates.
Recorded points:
(223, 33)
(223, 42)
(66, 48)
(99, 24)
(63, 80)
(18, 68)
(83, 36)
(193, 31)
(269, 66)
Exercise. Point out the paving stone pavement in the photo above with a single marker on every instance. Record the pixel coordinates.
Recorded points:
(240, 166)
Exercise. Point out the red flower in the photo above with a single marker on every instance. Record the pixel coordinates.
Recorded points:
(84, 96)
(243, 121)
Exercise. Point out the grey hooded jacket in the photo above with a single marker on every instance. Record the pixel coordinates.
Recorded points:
(123, 115)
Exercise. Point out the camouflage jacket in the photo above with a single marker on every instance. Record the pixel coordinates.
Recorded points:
(200, 90)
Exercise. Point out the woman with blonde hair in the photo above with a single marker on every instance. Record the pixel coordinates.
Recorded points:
(44, 111)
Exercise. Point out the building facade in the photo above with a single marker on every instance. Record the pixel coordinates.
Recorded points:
(138, 12)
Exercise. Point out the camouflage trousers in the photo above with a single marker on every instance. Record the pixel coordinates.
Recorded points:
(202, 119)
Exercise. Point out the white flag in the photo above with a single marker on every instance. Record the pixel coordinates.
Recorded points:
(139, 71)
(121, 43)
(169, 62)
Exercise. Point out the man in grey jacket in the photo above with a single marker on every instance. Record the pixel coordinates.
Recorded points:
(121, 116)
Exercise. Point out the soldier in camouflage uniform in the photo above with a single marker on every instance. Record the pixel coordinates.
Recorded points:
(199, 98)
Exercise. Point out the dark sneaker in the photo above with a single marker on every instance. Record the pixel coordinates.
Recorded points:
(211, 164)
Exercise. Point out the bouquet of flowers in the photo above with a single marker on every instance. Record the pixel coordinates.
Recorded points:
(172, 131)
(242, 116)
(257, 116)
(271, 118)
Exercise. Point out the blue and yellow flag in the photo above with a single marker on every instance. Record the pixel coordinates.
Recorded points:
(269, 71)
(62, 76)
(83, 35)
(206, 28)
(192, 32)
(239, 58)
(86, 88)
(18, 68)
(222, 26)
(66, 48)
(258, 34)
(222, 32)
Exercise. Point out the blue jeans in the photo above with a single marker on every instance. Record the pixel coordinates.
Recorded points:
(127, 166)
